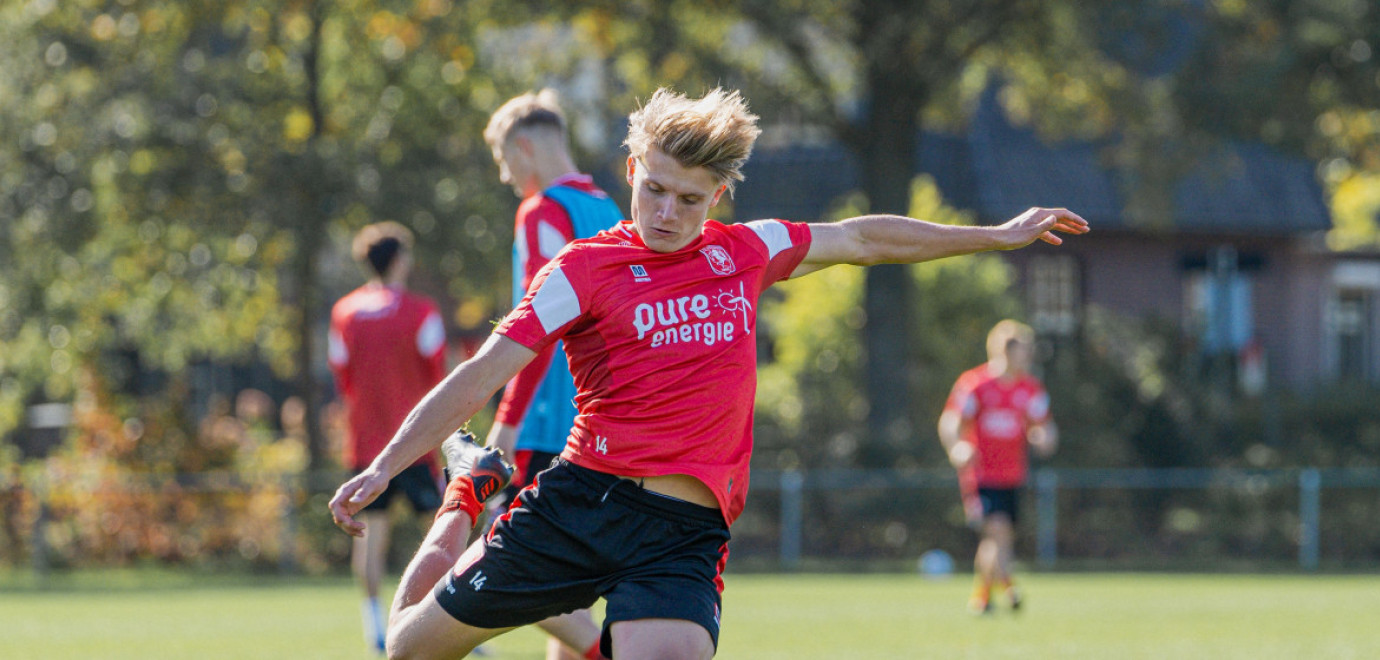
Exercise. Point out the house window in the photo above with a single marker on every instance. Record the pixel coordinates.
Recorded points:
(1219, 311)
(1351, 332)
(1054, 294)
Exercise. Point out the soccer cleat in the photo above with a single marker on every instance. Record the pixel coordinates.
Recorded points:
(473, 473)
(485, 467)
(1016, 597)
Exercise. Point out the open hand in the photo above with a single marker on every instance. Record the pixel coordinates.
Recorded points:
(1042, 223)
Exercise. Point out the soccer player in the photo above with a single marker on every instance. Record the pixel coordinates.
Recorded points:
(387, 350)
(529, 141)
(559, 204)
(658, 317)
(994, 411)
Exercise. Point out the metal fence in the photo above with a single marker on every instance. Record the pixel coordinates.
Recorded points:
(1310, 518)
(1292, 497)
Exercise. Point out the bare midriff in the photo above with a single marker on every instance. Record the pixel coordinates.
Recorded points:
(679, 486)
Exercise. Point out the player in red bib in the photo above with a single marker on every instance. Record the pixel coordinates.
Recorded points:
(994, 411)
(386, 349)
(659, 317)
(530, 145)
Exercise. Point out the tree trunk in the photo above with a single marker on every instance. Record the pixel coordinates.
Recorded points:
(887, 157)
(310, 227)
(306, 384)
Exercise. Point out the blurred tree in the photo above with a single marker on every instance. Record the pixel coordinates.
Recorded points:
(870, 73)
(811, 414)
(177, 178)
(1301, 75)
(173, 173)
(1159, 82)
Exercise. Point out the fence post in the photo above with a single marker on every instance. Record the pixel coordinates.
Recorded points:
(1047, 519)
(792, 516)
(287, 534)
(1310, 486)
(39, 545)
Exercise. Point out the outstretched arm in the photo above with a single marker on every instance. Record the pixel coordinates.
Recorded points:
(445, 408)
(892, 239)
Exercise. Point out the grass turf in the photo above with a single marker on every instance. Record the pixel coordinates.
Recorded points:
(150, 615)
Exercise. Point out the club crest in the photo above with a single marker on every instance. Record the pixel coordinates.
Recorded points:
(719, 261)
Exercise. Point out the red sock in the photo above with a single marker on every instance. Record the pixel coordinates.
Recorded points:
(460, 497)
(593, 653)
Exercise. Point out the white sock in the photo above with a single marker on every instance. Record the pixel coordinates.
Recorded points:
(373, 621)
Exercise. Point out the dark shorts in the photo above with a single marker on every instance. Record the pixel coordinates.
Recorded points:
(417, 483)
(527, 464)
(999, 500)
(577, 535)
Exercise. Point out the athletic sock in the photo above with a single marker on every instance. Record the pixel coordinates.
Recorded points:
(373, 624)
(982, 589)
(460, 497)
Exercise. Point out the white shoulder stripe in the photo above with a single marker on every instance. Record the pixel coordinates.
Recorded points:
(773, 233)
(555, 302)
(431, 336)
(549, 240)
(336, 351)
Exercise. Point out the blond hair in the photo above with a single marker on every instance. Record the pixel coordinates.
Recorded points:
(1005, 332)
(530, 110)
(716, 131)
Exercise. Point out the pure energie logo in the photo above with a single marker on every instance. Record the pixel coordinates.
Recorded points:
(686, 319)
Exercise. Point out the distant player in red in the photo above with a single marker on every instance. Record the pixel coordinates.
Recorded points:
(530, 144)
(994, 411)
(387, 350)
(659, 317)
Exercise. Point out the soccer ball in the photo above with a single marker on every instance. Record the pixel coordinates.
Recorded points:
(935, 564)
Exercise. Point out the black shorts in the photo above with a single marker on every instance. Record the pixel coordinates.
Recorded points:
(417, 483)
(527, 465)
(577, 535)
(1000, 500)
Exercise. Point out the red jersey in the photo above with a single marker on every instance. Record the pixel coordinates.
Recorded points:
(661, 346)
(997, 414)
(387, 350)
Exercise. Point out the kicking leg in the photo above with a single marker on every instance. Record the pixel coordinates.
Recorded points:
(441, 548)
(419, 628)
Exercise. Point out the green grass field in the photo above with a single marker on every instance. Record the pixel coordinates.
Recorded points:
(154, 615)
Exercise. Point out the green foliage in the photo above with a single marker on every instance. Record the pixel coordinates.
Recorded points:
(117, 238)
(170, 172)
(811, 406)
